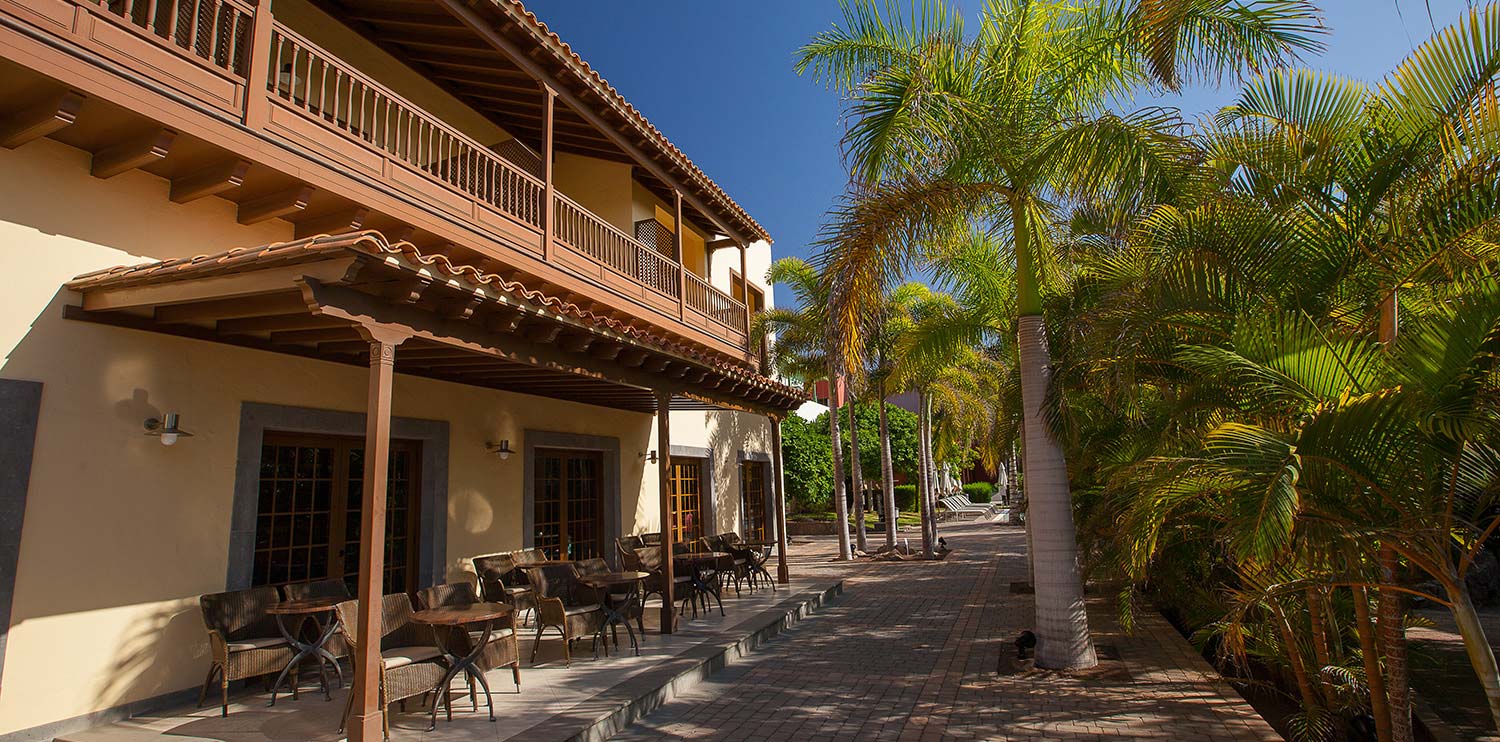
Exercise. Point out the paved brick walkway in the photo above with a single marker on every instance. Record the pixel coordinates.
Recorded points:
(910, 653)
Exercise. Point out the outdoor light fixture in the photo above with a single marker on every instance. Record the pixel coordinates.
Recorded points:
(167, 429)
(649, 457)
(502, 449)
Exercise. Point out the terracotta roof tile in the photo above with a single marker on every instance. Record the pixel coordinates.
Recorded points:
(374, 243)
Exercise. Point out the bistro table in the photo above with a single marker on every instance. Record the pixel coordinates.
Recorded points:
(312, 609)
(694, 561)
(458, 616)
(618, 614)
(760, 566)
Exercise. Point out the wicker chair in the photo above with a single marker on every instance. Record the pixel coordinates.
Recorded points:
(410, 664)
(499, 581)
(563, 603)
(734, 563)
(243, 640)
(503, 648)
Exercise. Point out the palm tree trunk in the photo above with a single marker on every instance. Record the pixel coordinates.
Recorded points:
(1294, 657)
(1391, 623)
(840, 508)
(1380, 707)
(1476, 644)
(1062, 622)
(926, 513)
(1318, 630)
(930, 469)
(856, 474)
(887, 474)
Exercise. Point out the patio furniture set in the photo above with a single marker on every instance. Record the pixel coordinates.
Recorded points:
(462, 628)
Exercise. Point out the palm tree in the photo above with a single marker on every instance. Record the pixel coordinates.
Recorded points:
(946, 131)
(892, 322)
(800, 352)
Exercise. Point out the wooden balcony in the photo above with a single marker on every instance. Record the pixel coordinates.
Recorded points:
(235, 62)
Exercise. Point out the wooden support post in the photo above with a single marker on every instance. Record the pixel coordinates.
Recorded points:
(258, 76)
(549, 208)
(366, 723)
(745, 297)
(777, 472)
(664, 477)
(681, 259)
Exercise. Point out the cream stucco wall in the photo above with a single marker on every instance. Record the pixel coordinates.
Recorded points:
(601, 186)
(338, 39)
(122, 534)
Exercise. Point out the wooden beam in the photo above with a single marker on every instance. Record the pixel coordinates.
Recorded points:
(302, 321)
(576, 342)
(664, 504)
(232, 308)
(132, 153)
(41, 119)
(274, 205)
(657, 365)
(549, 204)
(713, 245)
(606, 351)
(325, 335)
(543, 334)
(682, 269)
(633, 357)
(335, 222)
(209, 181)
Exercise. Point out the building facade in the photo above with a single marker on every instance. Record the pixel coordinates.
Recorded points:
(308, 229)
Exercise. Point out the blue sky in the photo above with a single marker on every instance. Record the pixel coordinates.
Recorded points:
(717, 77)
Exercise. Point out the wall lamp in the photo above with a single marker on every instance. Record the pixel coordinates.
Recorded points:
(501, 449)
(168, 428)
(650, 457)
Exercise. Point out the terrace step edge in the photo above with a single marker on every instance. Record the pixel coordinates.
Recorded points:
(616, 708)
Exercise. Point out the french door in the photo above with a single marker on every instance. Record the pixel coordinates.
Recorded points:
(687, 500)
(753, 499)
(569, 507)
(308, 513)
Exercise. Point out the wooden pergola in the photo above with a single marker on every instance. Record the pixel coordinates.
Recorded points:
(359, 299)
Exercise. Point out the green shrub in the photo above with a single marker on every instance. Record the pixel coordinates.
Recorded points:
(980, 491)
(906, 497)
(808, 459)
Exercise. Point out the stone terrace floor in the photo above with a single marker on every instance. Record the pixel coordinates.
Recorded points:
(910, 652)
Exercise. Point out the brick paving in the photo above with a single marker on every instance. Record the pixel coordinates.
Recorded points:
(910, 652)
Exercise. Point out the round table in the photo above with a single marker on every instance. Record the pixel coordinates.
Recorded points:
(695, 575)
(457, 616)
(618, 614)
(304, 610)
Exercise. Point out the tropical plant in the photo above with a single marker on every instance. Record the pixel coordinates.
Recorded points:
(946, 130)
(799, 351)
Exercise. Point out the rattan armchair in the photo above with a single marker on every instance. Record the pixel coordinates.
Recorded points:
(561, 602)
(734, 563)
(500, 582)
(410, 663)
(503, 648)
(243, 640)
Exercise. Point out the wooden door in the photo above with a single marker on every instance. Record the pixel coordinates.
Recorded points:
(307, 516)
(568, 508)
(753, 499)
(687, 500)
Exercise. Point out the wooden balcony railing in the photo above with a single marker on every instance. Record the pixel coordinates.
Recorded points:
(715, 304)
(322, 104)
(581, 230)
(318, 84)
(213, 31)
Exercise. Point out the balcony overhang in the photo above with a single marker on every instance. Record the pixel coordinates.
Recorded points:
(313, 297)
